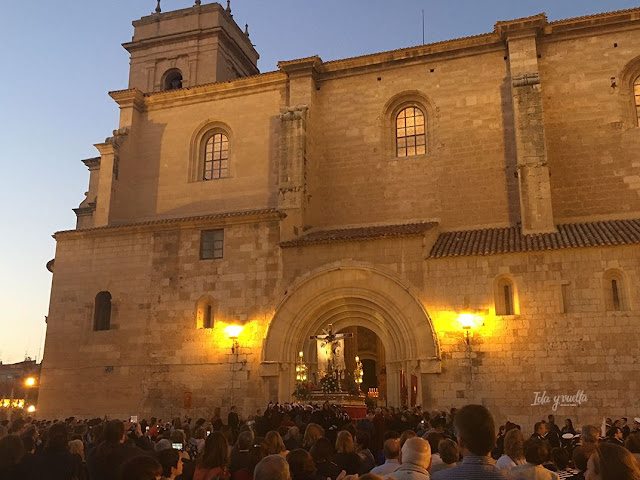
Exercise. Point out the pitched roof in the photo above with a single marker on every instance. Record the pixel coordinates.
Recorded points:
(360, 233)
(493, 241)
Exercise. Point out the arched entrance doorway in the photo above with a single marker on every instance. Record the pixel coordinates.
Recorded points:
(352, 297)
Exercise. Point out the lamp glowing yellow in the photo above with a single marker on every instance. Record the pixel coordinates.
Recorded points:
(31, 408)
(301, 354)
(233, 331)
(30, 382)
(467, 320)
(357, 358)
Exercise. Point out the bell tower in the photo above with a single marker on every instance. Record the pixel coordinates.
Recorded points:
(184, 48)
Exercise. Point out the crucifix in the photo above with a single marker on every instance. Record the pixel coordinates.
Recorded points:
(331, 352)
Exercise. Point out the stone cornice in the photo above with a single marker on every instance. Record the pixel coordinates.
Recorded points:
(129, 98)
(200, 221)
(239, 86)
(92, 163)
(521, 26)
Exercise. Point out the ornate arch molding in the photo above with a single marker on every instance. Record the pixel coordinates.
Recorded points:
(196, 148)
(394, 105)
(628, 75)
(348, 296)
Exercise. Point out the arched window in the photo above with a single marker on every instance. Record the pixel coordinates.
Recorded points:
(615, 294)
(172, 79)
(216, 157)
(411, 138)
(102, 312)
(204, 312)
(636, 93)
(505, 296)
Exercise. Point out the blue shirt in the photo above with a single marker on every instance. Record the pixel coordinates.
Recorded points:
(473, 467)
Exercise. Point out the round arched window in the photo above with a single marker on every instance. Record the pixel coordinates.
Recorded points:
(173, 80)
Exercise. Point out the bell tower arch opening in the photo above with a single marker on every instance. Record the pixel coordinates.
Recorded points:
(348, 298)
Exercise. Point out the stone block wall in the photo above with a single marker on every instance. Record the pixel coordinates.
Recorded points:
(541, 349)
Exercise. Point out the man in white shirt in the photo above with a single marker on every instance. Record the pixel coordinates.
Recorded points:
(391, 450)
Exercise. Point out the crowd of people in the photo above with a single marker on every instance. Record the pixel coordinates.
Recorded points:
(319, 442)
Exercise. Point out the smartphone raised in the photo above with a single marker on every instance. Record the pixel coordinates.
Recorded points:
(177, 446)
(133, 419)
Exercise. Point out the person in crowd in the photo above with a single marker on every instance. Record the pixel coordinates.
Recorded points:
(30, 462)
(589, 434)
(536, 452)
(76, 447)
(415, 461)
(142, 467)
(301, 466)
(632, 443)
(614, 435)
(367, 461)
(232, 418)
(292, 439)
(391, 450)
(346, 457)
(476, 434)
(105, 460)
(214, 461)
(56, 461)
(272, 467)
(406, 435)
(239, 457)
(312, 433)
(322, 453)
(171, 463)
(580, 458)
(11, 454)
(513, 450)
(560, 459)
(449, 455)
(551, 425)
(275, 444)
(568, 427)
(612, 462)
(625, 427)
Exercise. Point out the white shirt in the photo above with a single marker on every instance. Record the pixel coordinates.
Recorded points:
(387, 467)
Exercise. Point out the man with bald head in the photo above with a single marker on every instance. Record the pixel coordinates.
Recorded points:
(415, 458)
(272, 467)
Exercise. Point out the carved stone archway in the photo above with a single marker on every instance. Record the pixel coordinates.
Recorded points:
(344, 297)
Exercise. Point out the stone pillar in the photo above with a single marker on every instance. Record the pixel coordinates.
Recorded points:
(533, 172)
(295, 119)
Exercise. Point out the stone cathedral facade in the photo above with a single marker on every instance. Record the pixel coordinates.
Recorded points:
(471, 207)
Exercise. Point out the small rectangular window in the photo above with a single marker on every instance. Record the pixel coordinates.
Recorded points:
(211, 244)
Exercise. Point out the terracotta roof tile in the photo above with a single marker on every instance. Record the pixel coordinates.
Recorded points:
(360, 233)
(493, 241)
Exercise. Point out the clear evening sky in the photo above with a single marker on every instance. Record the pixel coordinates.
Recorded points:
(60, 58)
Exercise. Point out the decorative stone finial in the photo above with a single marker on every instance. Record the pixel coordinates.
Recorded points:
(229, 7)
(246, 29)
(197, 4)
(158, 9)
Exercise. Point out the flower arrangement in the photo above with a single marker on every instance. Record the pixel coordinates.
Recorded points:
(303, 390)
(329, 384)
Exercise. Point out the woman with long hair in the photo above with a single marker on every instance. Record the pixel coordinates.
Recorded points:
(275, 444)
(214, 461)
(322, 453)
(312, 433)
(568, 427)
(346, 457)
(612, 462)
